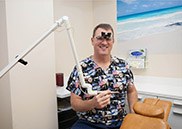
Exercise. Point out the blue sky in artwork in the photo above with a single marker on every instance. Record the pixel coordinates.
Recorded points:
(127, 7)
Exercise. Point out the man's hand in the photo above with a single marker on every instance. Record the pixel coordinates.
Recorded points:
(102, 99)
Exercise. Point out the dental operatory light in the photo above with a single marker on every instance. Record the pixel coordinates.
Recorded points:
(62, 21)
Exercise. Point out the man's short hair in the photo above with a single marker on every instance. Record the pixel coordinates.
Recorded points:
(103, 26)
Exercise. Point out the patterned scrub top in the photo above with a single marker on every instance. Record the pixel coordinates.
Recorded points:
(115, 78)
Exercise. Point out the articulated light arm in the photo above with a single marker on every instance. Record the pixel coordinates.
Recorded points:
(79, 69)
(19, 58)
(59, 23)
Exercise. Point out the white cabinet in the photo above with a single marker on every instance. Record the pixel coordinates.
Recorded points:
(175, 118)
(66, 115)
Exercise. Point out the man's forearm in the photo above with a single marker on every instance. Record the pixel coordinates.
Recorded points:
(132, 97)
(82, 105)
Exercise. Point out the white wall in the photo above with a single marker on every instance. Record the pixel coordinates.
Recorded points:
(84, 16)
(164, 54)
(80, 13)
(31, 96)
(5, 97)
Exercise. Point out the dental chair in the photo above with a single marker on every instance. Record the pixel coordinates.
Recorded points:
(152, 113)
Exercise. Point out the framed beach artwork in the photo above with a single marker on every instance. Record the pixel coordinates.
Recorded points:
(139, 18)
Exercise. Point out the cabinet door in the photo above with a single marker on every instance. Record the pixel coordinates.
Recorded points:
(175, 116)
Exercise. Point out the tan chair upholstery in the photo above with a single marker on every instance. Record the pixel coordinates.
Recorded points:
(164, 104)
(151, 114)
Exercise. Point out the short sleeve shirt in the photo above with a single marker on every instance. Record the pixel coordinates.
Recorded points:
(116, 77)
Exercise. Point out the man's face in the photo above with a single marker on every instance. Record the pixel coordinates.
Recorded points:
(102, 42)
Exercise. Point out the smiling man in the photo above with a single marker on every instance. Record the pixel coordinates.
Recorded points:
(110, 76)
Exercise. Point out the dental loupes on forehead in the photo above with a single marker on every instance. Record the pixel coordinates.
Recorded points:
(106, 35)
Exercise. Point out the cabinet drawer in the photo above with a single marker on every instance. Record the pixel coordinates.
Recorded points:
(177, 111)
(66, 124)
(178, 102)
(66, 119)
(66, 114)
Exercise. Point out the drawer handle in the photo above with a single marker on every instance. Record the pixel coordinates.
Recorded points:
(140, 97)
(177, 102)
(64, 109)
(175, 111)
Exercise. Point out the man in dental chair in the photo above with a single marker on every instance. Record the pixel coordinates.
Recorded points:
(107, 74)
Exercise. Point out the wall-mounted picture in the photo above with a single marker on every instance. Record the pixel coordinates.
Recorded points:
(139, 18)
